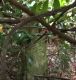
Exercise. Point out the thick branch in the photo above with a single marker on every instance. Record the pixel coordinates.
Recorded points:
(50, 28)
(48, 13)
(50, 77)
(71, 29)
(9, 20)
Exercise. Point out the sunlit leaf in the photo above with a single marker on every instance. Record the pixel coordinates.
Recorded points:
(1, 28)
(62, 2)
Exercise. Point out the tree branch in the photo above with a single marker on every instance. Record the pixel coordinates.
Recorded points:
(71, 29)
(48, 13)
(9, 20)
(41, 20)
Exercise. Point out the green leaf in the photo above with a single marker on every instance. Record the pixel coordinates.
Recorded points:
(21, 37)
(34, 8)
(37, 8)
(67, 1)
(45, 6)
(2, 37)
(56, 4)
(62, 2)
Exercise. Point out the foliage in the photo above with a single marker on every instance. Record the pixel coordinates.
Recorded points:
(21, 37)
(26, 57)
